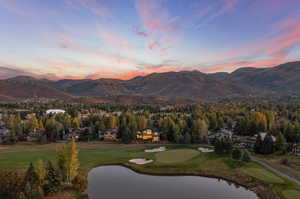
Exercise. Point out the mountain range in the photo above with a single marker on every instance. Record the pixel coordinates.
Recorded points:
(161, 87)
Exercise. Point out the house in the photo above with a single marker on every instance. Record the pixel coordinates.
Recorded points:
(35, 135)
(78, 133)
(223, 133)
(295, 149)
(4, 134)
(148, 134)
(71, 136)
(263, 135)
(55, 111)
(30, 116)
(109, 135)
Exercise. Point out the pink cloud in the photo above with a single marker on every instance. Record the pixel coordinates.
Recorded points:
(67, 43)
(154, 45)
(154, 18)
(268, 51)
(114, 39)
(140, 33)
(214, 10)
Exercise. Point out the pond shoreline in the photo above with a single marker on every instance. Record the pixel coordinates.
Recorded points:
(262, 191)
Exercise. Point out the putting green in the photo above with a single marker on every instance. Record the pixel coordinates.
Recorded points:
(173, 156)
(263, 174)
(291, 194)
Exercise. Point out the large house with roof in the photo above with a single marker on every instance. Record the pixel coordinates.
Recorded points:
(148, 134)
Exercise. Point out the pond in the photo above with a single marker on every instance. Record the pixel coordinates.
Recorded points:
(113, 182)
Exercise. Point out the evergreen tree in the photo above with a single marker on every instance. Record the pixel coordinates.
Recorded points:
(32, 186)
(187, 138)
(258, 144)
(281, 144)
(236, 154)
(246, 157)
(267, 145)
(53, 180)
(126, 135)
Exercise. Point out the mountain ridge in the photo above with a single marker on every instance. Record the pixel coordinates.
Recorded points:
(192, 85)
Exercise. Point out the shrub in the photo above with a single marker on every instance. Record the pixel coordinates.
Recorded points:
(285, 161)
(11, 184)
(236, 154)
(246, 157)
(80, 183)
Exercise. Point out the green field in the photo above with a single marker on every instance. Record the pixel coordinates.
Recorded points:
(291, 194)
(178, 159)
(263, 175)
(174, 156)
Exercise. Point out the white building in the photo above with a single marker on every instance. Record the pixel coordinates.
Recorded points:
(55, 111)
(263, 135)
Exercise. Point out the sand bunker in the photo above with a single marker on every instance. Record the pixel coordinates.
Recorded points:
(160, 149)
(205, 150)
(140, 161)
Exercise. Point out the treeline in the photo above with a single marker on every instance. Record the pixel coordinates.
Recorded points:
(176, 123)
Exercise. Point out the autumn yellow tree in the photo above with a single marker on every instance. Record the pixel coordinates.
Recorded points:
(67, 160)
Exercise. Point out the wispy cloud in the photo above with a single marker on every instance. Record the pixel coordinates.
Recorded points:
(114, 39)
(210, 12)
(97, 7)
(154, 18)
(140, 33)
(159, 24)
(267, 51)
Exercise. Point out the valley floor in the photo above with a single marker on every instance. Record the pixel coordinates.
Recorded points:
(177, 160)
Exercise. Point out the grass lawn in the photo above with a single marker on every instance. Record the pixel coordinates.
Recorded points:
(177, 155)
(291, 194)
(263, 174)
(183, 159)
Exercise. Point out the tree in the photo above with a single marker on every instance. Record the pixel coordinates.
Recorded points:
(32, 186)
(200, 128)
(11, 184)
(53, 180)
(74, 162)
(67, 160)
(246, 157)
(281, 144)
(236, 154)
(258, 144)
(101, 125)
(187, 138)
(75, 123)
(40, 171)
(126, 135)
(267, 145)
(62, 158)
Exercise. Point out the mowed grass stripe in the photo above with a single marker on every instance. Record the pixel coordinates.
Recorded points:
(174, 156)
(263, 175)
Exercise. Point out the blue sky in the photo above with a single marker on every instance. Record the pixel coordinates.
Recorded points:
(124, 38)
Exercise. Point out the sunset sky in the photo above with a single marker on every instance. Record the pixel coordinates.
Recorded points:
(124, 38)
